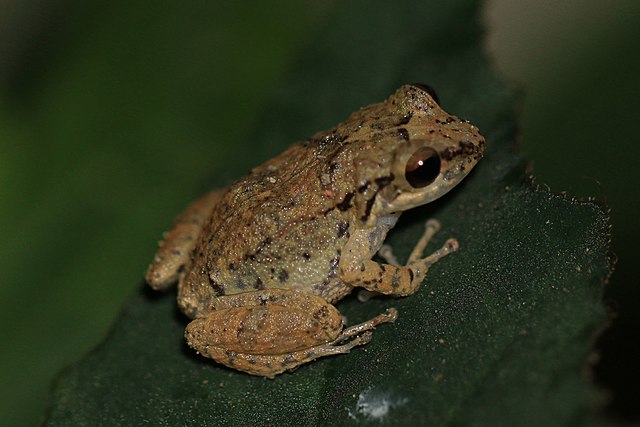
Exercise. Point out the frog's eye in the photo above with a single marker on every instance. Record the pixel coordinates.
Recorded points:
(422, 168)
(431, 91)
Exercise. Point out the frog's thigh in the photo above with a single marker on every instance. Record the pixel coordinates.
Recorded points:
(270, 321)
(267, 322)
(177, 244)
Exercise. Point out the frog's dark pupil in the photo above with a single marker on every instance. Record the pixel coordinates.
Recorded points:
(431, 91)
(422, 168)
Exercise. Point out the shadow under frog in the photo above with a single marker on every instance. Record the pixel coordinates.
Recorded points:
(259, 264)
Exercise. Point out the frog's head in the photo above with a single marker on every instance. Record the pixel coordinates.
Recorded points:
(416, 154)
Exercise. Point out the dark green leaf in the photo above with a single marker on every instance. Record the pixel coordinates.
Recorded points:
(499, 333)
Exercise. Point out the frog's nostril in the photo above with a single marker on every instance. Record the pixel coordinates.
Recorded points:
(422, 168)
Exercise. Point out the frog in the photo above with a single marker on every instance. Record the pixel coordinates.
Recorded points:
(260, 263)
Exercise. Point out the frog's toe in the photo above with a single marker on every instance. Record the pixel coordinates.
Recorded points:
(433, 224)
(386, 253)
(450, 246)
(389, 316)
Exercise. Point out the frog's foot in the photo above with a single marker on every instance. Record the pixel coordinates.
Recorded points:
(175, 248)
(386, 253)
(392, 279)
(271, 331)
(432, 226)
(421, 266)
(388, 316)
(418, 265)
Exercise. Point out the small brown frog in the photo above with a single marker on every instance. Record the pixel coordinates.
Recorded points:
(260, 263)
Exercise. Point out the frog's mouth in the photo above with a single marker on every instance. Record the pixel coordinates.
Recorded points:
(426, 171)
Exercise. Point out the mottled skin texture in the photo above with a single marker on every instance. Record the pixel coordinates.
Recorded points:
(261, 262)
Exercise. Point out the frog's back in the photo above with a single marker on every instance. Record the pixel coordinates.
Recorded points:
(279, 227)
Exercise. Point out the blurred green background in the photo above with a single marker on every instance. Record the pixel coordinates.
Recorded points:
(107, 131)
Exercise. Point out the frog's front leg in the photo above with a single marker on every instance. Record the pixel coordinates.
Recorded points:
(270, 331)
(393, 279)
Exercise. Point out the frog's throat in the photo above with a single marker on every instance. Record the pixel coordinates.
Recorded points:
(411, 199)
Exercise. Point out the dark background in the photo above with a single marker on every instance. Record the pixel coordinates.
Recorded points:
(95, 98)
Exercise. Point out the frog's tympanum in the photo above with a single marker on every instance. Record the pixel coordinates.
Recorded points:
(260, 263)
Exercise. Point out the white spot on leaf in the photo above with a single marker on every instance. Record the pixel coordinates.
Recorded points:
(374, 405)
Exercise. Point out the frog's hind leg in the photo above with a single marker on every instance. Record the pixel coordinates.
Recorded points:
(270, 331)
(271, 365)
(174, 249)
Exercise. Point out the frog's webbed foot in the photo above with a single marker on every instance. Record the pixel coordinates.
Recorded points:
(271, 331)
(394, 279)
(177, 244)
